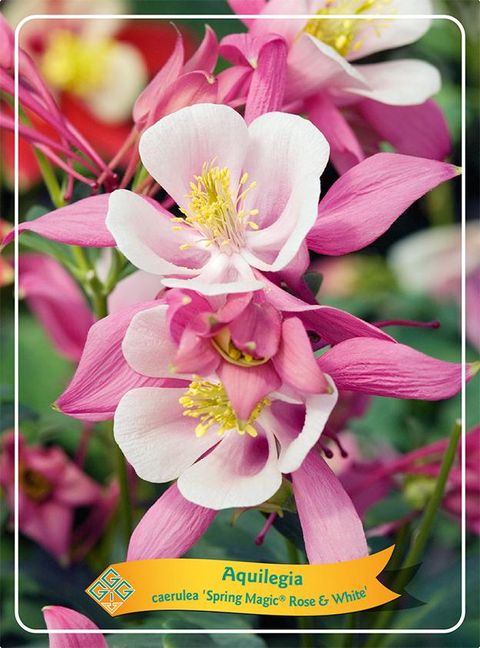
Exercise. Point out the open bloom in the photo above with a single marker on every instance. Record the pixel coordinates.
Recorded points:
(359, 207)
(247, 342)
(244, 210)
(166, 427)
(355, 105)
(191, 334)
(194, 434)
(51, 487)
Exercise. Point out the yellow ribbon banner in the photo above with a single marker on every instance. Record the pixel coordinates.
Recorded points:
(243, 587)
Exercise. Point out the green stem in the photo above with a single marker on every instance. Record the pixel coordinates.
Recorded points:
(292, 552)
(81, 258)
(48, 174)
(90, 281)
(350, 624)
(51, 182)
(415, 553)
(100, 305)
(141, 175)
(117, 265)
(421, 538)
(125, 503)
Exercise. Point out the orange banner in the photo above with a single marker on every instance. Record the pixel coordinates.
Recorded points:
(243, 587)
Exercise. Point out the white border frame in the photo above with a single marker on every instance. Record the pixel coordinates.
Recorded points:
(463, 310)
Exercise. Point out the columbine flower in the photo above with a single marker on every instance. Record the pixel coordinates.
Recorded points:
(194, 335)
(359, 207)
(193, 433)
(244, 411)
(247, 342)
(355, 106)
(51, 488)
(244, 210)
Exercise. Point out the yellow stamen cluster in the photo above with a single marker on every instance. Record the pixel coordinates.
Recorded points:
(216, 210)
(342, 33)
(73, 65)
(209, 402)
(222, 342)
(34, 484)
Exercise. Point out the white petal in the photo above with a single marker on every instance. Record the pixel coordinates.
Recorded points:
(403, 82)
(136, 288)
(145, 236)
(380, 34)
(313, 65)
(154, 436)
(223, 274)
(295, 444)
(240, 471)
(175, 148)
(147, 346)
(272, 248)
(283, 151)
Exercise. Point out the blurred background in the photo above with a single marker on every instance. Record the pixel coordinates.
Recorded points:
(412, 272)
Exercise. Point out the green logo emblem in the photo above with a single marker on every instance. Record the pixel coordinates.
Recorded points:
(110, 590)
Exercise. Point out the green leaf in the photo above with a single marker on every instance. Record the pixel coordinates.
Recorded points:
(43, 374)
(35, 243)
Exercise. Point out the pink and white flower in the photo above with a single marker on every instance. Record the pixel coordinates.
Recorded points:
(193, 434)
(252, 401)
(245, 211)
(251, 346)
(355, 105)
(51, 487)
(186, 329)
(360, 206)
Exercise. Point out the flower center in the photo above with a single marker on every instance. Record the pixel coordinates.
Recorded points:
(74, 65)
(342, 33)
(34, 484)
(222, 342)
(216, 210)
(209, 403)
